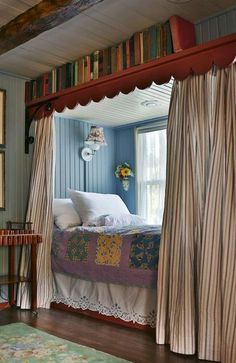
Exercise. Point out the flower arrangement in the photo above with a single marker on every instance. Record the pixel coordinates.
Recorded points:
(124, 172)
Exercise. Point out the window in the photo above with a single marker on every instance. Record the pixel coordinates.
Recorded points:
(151, 171)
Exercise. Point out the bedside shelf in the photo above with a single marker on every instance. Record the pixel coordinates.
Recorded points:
(12, 238)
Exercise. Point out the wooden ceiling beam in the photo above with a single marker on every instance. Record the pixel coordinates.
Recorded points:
(44, 16)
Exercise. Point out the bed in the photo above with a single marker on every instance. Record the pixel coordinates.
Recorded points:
(111, 270)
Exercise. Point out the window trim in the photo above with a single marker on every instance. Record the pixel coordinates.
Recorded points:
(154, 126)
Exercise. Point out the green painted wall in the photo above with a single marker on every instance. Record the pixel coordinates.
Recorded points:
(17, 162)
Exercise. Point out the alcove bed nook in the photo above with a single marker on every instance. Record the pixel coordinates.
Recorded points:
(219, 53)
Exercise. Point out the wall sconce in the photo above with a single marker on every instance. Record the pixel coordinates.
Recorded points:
(95, 139)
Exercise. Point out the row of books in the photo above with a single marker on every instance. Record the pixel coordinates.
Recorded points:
(152, 43)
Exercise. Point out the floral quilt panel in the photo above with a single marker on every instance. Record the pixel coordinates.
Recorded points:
(126, 255)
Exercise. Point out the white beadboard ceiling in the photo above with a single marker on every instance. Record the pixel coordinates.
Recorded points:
(138, 105)
(100, 26)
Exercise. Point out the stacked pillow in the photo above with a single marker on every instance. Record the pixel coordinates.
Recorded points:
(65, 215)
(91, 206)
(92, 209)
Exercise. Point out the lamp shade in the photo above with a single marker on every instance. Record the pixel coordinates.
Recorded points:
(96, 136)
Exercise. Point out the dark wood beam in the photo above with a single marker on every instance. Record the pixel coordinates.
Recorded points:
(43, 16)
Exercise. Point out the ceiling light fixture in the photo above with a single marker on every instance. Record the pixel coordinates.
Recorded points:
(150, 103)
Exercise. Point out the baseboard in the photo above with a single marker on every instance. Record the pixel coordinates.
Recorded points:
(99, 316)
(4, 305)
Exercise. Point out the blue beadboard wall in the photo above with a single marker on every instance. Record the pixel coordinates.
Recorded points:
(125, 152)
(216, 26)
(98, 174)
(71, 171)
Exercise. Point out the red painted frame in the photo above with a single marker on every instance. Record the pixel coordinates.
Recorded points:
(195, 60)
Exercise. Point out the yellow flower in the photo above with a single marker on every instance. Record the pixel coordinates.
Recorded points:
(125, 172)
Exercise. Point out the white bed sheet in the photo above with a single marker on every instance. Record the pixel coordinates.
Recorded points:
(134, 304)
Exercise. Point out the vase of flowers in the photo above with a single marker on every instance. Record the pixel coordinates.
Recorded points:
(123, 172)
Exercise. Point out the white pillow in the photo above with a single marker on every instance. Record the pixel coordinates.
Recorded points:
(65, 215)
(119, 220)
(90, 206)
(124, 220)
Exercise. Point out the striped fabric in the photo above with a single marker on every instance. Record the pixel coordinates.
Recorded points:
(40, 213)
(196, 307)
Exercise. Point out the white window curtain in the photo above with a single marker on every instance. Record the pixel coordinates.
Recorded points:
(39, 212)
(151, 172)
(196, 299)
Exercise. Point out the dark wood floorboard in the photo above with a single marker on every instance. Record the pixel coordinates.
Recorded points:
(131, 344)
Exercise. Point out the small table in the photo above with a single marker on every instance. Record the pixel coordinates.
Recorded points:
(12, 238)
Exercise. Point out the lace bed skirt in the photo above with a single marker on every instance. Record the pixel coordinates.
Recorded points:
(133, 304)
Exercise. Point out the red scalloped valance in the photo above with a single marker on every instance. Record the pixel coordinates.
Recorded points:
(197, 60)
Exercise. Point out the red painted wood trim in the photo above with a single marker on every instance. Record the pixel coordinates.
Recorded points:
(99, 316)
(197, 60)
(4, 305)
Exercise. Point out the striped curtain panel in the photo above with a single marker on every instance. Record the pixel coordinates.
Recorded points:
(196, 302)
(39, 212)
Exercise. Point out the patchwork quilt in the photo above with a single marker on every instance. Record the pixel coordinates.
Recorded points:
(124, 255)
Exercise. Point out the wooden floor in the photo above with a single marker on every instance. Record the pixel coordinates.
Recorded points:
(131, 344)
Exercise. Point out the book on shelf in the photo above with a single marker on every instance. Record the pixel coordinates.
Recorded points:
(58, 78)
(106, 65)
(63, 80)
(132, 50)
(50, 83)
(94, 65)
(101, 58)
(159, 39)
(81, 71)
(54, 80)
(113, 59)
(182, 32)
(75, 66)
(141, 48)
(39, 87)
(124, 55)
(146, 45)
(119, 53)
(87, 69)
(154, 42)
(68, 75)
(169, 43)
(127, 51)
(109, 61)
(44, 87)
(137, 50)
